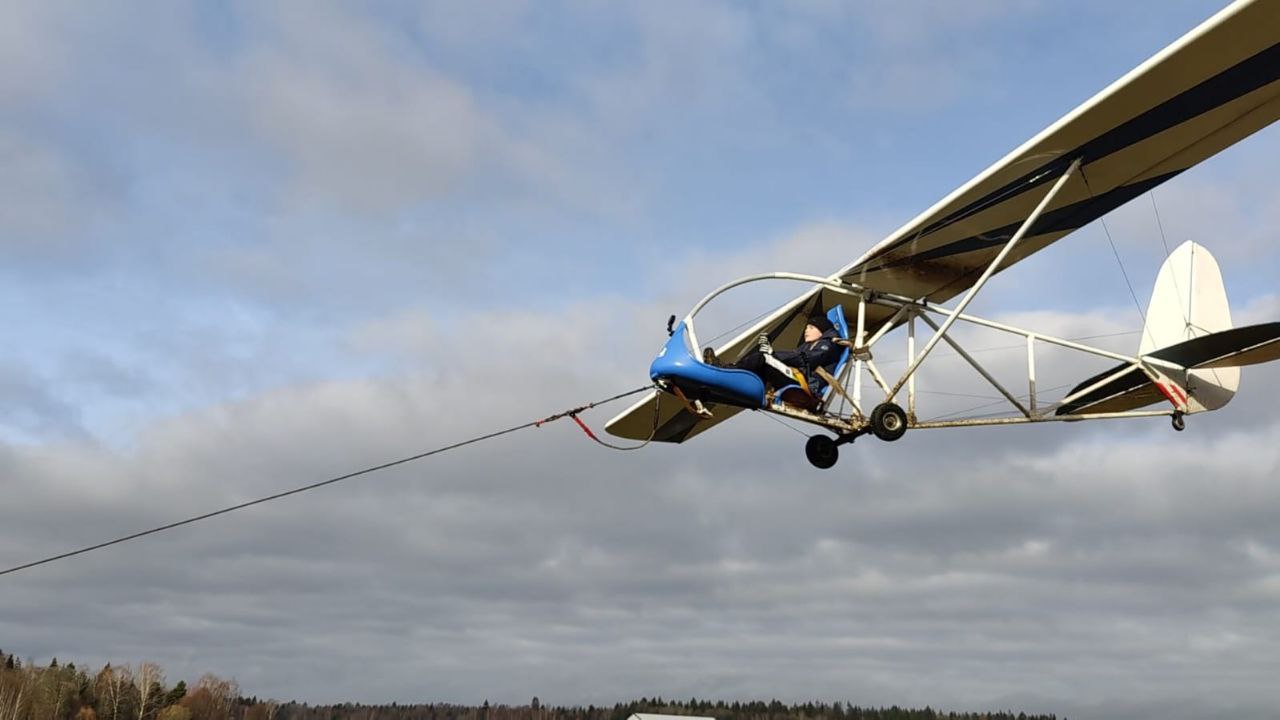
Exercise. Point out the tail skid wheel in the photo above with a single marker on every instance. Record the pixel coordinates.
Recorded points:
(1179, 423)
(888, 422)
(821, 451)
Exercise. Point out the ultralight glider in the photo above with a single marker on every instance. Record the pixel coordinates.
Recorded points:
(1208, 90)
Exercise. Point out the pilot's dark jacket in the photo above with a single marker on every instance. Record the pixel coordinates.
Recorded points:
(821, 353)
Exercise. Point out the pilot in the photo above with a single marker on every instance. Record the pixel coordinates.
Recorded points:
(817, 350)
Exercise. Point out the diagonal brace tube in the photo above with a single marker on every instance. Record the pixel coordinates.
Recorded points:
(986, 275)
(981, 370)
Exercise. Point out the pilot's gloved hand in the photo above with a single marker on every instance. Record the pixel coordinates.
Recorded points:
(763, 343)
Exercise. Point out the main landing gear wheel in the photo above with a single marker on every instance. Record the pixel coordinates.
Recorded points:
(888, 421)
(1178, 423)
(821, 451)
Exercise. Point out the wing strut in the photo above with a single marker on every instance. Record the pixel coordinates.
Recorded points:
(986, 275)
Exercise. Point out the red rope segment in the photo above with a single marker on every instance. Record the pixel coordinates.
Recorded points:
(584, 427)
(657, 410)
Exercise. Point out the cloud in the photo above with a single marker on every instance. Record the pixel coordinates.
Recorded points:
(31, 410)
(47, 203)
(979, 561)
(1263, 309)
(359, 118)
(347, 239)
(682, 65)
(915, 65)
(413, 333)
(28, 68)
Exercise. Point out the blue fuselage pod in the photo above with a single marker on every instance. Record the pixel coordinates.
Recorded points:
(676, 364)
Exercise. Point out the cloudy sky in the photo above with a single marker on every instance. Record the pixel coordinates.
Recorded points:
(246, 246)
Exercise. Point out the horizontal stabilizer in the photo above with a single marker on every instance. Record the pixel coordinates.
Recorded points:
(1125, 387)
(1124, 392)
(1247, 345)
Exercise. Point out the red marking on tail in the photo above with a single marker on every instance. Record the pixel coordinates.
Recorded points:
(1173, 393)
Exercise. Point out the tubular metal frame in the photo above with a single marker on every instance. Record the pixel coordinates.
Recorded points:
(908, 310)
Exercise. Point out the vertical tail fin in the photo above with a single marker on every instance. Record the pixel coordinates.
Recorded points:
(1190, 353)
(1189, 301)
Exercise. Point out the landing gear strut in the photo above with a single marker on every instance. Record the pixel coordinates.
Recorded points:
(888, 422)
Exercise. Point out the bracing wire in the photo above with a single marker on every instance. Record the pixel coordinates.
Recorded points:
(966, 411)
(1159, 224)
(739, 327)
(305, 488)
(1000, 348)
(1164, 241)
(1116, 252)
(1124, 272)
(786, 425)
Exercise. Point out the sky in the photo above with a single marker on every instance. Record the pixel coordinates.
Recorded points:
(246, 246)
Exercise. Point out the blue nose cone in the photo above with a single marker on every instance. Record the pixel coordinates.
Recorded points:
(677, 365)
(675, 359)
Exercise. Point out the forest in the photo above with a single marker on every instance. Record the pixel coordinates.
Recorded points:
(124, 692)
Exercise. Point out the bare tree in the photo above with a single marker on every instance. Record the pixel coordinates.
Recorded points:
(56, 686)
(212, 699)
(150, 680)
(13, 698)
(115, 690)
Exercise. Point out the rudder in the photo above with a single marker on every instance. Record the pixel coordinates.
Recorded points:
(1189, 301)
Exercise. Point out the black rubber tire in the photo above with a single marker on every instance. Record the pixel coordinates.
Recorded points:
(1178, 423)
(821, 451)
(888, 422)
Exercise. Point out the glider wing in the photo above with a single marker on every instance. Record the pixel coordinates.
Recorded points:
(1211, 88)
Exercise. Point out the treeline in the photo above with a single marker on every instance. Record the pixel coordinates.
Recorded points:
(121, 692)
(117, 692)
(754, 710)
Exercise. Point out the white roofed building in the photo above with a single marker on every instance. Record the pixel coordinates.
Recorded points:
(653, 716)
